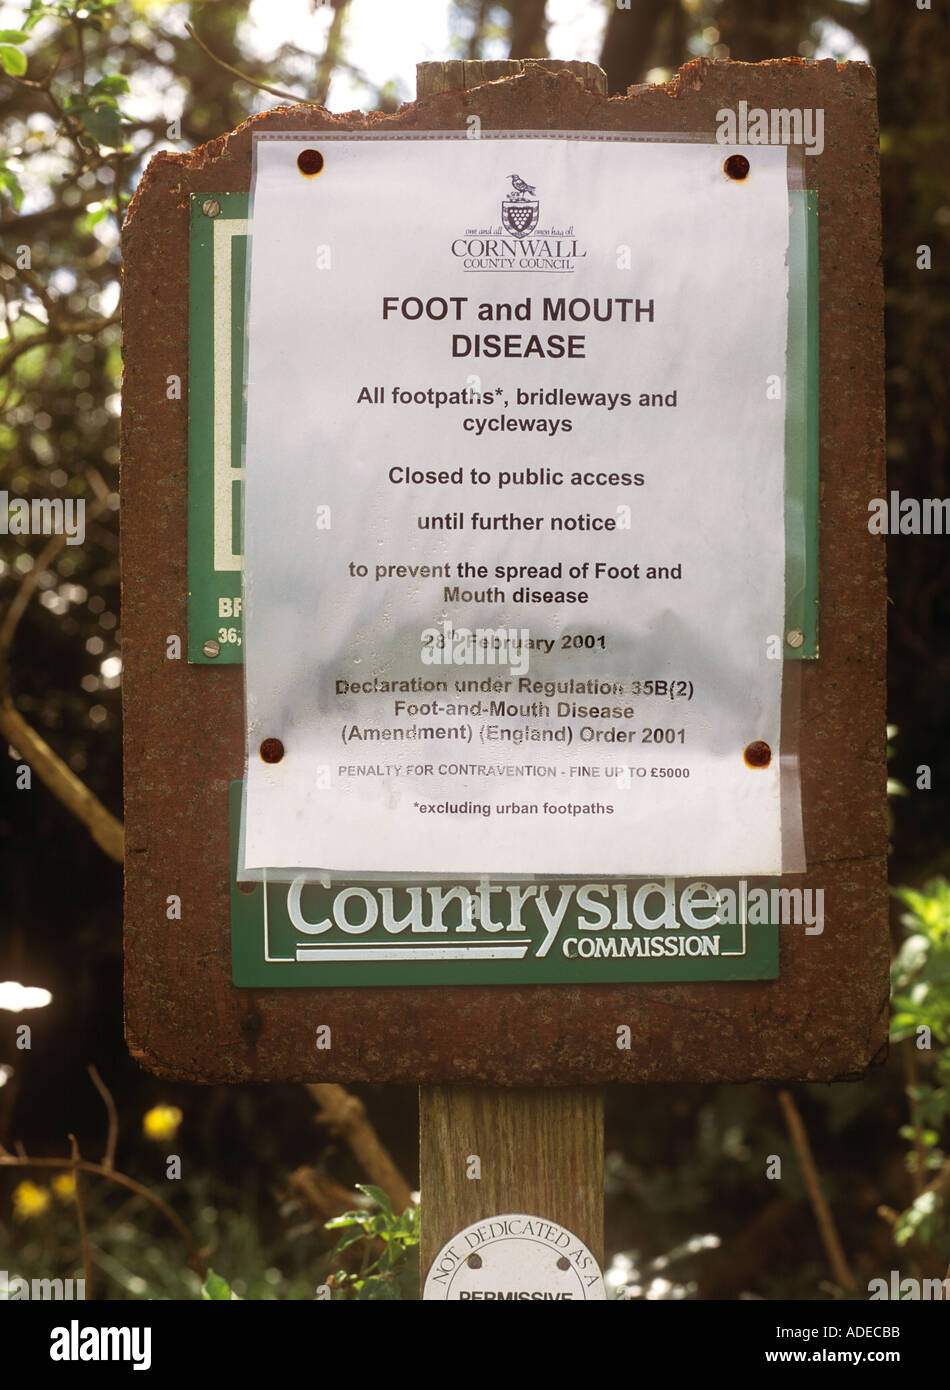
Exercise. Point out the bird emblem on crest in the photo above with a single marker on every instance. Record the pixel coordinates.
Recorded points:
(519, 210)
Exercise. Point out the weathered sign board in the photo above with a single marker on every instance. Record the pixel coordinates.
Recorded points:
(725, 917)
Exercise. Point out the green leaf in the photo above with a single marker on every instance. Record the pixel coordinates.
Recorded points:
(13, 36)
(10, 184)
(103, 125)
(363, 1219)
(345, 1242)
(374, 1289)
(378, 1196)
(14, 62)
(36, 12)
(917, 1218)
(95, 213)
(215, 1289)
(409, 1282)
(113, 84)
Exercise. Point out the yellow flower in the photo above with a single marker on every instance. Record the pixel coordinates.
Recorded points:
(29, 1200)
(161, 1122)
(64, 1185)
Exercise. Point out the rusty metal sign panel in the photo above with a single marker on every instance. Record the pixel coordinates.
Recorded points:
(824, 1014)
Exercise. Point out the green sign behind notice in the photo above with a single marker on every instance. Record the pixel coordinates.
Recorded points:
(217, 265)
(484, 932)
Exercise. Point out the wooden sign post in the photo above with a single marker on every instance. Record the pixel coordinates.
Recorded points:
(254, 975)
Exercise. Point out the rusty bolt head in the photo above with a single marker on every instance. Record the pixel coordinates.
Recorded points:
(272, 750)
(757, 754)
(211, 207)
(309, 162)
(736, 167)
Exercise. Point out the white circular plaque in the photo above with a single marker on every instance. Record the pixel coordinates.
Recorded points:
(515, 1258)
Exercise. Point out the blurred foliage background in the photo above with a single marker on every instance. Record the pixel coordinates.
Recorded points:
(87, 93)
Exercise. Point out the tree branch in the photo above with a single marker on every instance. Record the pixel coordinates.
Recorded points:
(909, 1061)
(235, 72)
(479, 22)
(196, 1259)
(108, 1160)
(81, 1219)
(528, 34)
(59, 778)
(628, 45)
(29, 277)
(346, 1115)
(331, 54)
(25, 223)
(825, 1221)
(63, 328)
(940, 1185)
(79, 800)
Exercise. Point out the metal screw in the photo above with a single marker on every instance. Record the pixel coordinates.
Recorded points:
(563, 1263)
(474, 1261)
(795, 638)
(211, 207)
(211, 648)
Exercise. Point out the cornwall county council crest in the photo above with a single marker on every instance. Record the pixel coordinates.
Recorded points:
(519, 211)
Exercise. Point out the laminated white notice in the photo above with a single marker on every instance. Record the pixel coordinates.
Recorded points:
(514, 515)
